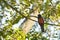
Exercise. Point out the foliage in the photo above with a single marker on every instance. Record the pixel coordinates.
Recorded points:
(23, 8)
(15, 10)
(35, 36)
(11, 34)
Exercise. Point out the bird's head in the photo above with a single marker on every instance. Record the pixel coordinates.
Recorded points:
(39, 15)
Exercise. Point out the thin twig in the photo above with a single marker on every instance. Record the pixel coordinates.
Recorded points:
(34, 16)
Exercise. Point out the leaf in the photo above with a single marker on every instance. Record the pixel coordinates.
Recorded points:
(45, 26)
(16, 20)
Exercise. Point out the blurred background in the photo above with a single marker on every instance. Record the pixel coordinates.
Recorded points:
(18, 19)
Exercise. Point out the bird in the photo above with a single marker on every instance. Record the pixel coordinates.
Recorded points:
(41, 22)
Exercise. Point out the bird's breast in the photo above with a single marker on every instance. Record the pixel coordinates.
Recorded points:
(40, 20)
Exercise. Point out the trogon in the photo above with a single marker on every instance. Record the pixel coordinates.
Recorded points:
(41, 22)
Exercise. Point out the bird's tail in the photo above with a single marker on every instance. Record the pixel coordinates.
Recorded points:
(42, 27)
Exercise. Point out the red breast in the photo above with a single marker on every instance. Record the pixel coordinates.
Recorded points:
(40, 20)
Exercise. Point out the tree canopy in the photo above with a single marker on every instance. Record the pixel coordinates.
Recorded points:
(12, 11)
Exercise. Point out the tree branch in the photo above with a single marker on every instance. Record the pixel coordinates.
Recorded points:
(25, 16)
(19, 11)
(13, 8)
(52, 24)
(33, 16)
